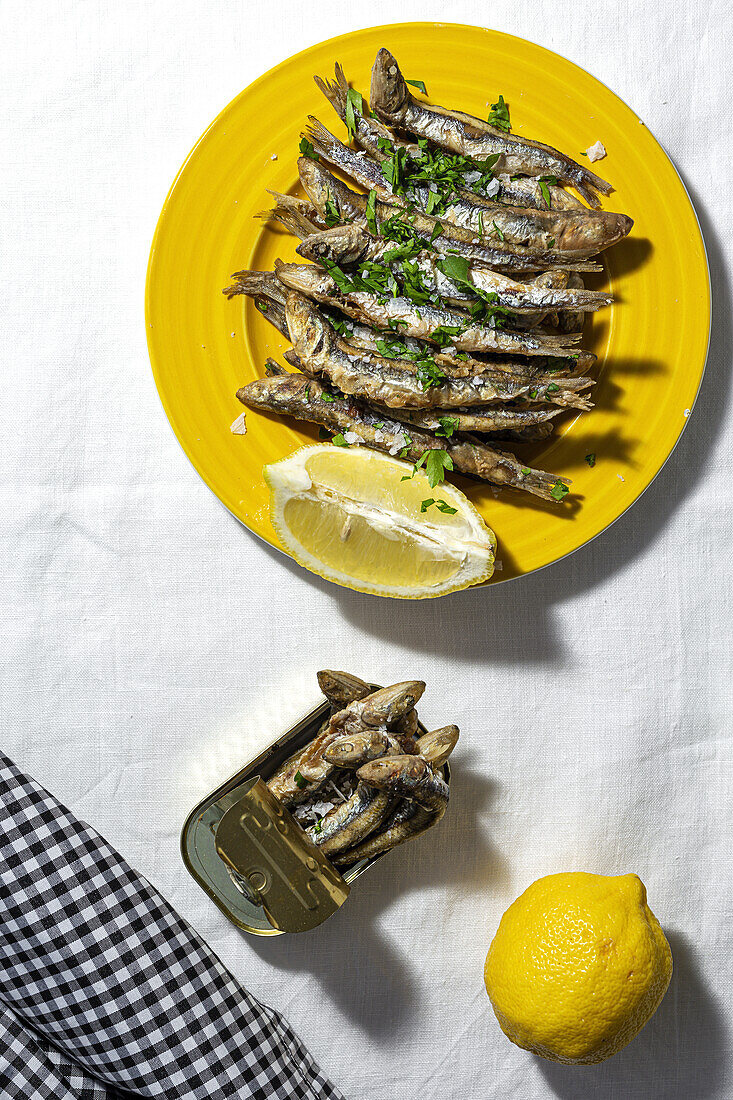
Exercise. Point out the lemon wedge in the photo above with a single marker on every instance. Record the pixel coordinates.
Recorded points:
(348, 515)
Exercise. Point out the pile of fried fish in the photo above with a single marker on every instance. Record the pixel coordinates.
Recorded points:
(367, 781)
(443, 305)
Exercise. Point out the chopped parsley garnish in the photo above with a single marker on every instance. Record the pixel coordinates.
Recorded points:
(526, 471)
(419, 84)
(551, 242)
(437, 231)
(448, 425)
(331, 213)
(326, 396)
(317, 826)
(559, 490)
(353, 100)
(371, 213)
(436, 463)
(480, 223)
(484, 310)
(307, 150)
(552, 387)
(545, 190)
(591, 459)
(441, 505)
(262, 306)
(429, 373)
(444, 335)
(499, 233)
(338, 440)
(499, 115)
(300, 780)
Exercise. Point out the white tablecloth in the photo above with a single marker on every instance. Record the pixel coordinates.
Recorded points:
(150, 642)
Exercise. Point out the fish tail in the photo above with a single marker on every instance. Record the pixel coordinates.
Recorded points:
(335, 93)
(319, 136)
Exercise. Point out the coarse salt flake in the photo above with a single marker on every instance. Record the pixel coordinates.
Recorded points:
(398, 442)
(596, 151)
(686, 413)
(353, 437)
(239, 427)
(274, 156)
(620, 477)
(493, 188)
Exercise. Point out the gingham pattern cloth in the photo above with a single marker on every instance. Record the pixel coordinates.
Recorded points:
(105, 992)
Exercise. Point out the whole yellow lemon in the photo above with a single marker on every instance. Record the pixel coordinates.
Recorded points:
(577, 967)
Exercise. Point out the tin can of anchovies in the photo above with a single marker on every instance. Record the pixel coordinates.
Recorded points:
(253, 859)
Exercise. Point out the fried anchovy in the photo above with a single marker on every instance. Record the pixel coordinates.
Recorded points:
(437, 745)
(341, 688)
(434, 323)
(521, 191)
(304, 398)
(391, 100)
(380, 708)
(411, 822)
(581, 232)
(350, 821)
(350, 245)
(399, 383)
(353, 750)
(328, 193)
(407, 777)
(482, 420)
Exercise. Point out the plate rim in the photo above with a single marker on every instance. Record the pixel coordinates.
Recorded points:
(434, 25)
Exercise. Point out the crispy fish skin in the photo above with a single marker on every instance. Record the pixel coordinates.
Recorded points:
(323, 188)
(578, 230)
(421, 321)
(348, 245)
(351, 821)
(394, 382)
(482, 420)
(353, 750)
(407, 777)
(523, 191)
(391, 100)
(302, 397)
(410, 823)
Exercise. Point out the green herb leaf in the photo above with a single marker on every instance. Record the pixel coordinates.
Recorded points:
(551, 242)
(499, 115)
(448, 425)
(545, 190)
(444, 506)
(339, 441)
(552, 387)
(436, 463)
(419, 84)
(499, 233)
(307, 150)
(262, 306)
(327, 397)
(526, 471)
(331, 213)
(353, 100)
(371, 213)
(591, 459)
(480, 223)
(425, 504)
(455, 268)
(559, 490)
(300, 780)
(437, 230)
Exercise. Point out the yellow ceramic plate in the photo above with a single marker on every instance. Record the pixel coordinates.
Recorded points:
(651, 344)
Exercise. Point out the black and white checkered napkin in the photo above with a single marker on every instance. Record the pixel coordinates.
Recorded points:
(105, 992)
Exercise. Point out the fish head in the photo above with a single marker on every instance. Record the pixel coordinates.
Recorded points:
(385, 772)
(317, 182)
(390, 703)
(436, 746)
(311, 336)
(344, 245)
(341, 688)
(389, 94)
(353, 751)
